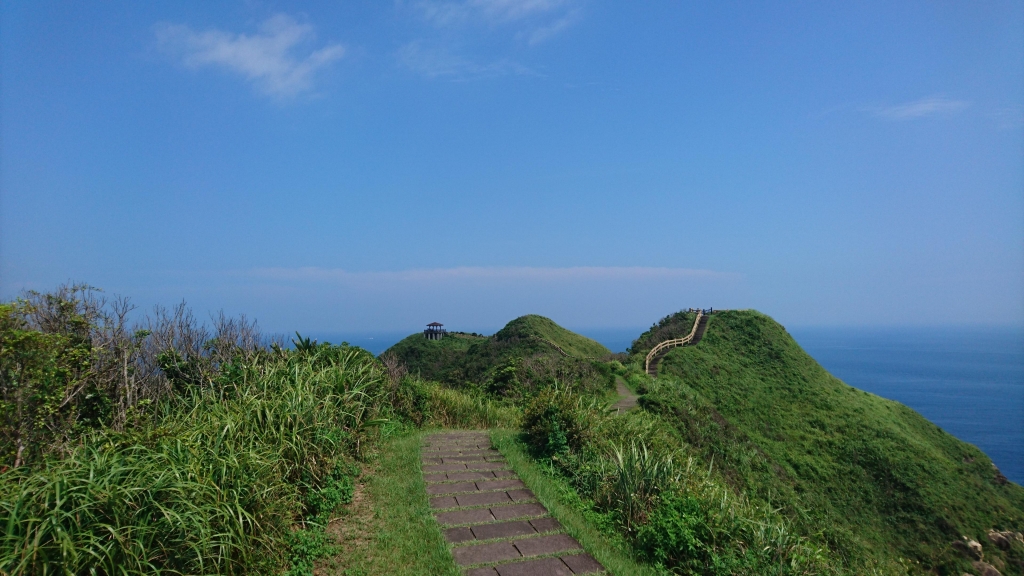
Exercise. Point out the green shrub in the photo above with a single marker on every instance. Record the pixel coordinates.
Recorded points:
(638, 479)
(557, 421)
(214, 484)
(677, 534)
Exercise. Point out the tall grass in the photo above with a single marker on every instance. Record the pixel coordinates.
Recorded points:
(448, 408)
(212, 484)
(639, 477)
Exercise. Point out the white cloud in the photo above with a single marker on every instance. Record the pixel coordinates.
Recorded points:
(919, 108)
(435, 62)
(267, 58)
(544, 32)
(499, 274)
(479, 296)
(448, 13)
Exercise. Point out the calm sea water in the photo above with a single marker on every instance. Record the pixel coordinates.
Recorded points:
(968, 381)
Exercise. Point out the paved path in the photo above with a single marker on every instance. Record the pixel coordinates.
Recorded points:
(627, 400)
(496, 525)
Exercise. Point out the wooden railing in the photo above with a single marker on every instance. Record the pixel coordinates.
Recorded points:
(672, 343)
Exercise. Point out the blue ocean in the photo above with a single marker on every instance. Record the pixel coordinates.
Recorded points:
(968, 381)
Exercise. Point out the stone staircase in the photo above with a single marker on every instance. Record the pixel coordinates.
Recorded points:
(494, 523)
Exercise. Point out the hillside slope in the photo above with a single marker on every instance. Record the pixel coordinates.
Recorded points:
(883, 486)
(523, 354)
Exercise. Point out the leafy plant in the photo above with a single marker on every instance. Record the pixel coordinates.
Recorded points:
(640, 477)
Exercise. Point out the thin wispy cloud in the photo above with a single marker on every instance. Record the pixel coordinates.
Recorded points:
(465, 39)
(448, 13)
(922, 108)
(434, 62)
(501, 274)
(271, 59)
(545, 32)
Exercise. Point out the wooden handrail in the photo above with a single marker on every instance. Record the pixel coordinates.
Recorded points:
(672, 343)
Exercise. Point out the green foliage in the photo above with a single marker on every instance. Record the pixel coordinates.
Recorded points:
(337, 488)
(880, 485)
(45, 395)
(515, 363)
(639, 477)
(210, 486)
(557, 421)
(672, 326)
(306, 546)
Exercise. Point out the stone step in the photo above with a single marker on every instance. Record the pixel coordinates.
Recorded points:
(481, 499)
(480, 486)
(492, 514)
(491, 518)
(561, 566)
(492, 552)
(501, 530)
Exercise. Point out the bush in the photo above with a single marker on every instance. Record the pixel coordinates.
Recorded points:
(557, 421)
(214, 484)
(677, 534)
(639, 477)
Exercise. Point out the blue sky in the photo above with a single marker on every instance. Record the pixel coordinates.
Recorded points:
(329, 166)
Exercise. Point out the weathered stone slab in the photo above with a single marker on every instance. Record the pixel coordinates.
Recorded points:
(546, 525)
(482, 465)
(435, 477)
(503, 530)
(484, 553)
(482, 498)
(472, 475)
(520, 495)
(541, 567)
(485, 571)
(464, 517)
(443, 502)
(500, 484)
(470, 458)
(443, 467)
(468, 452)
(456, 535)
(546, 545)
(582, 564)
(504, 474)
(451, 488)
(432, 461)
(518, 511)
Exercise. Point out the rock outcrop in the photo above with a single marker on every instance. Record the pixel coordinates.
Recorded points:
(985, 569)
(970, 548)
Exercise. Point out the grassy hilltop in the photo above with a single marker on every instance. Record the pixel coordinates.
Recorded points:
(525, 353)
(874, 478)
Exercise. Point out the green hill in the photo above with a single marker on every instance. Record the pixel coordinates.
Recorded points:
(528, 352)
(885, 488)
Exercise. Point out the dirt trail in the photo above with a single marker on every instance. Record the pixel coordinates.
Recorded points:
(627, 400)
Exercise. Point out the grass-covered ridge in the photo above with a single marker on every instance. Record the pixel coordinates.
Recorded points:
(530, 352)
(878, 482)
(168, 447)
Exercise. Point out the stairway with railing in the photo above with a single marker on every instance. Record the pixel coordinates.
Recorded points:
(700, 325)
